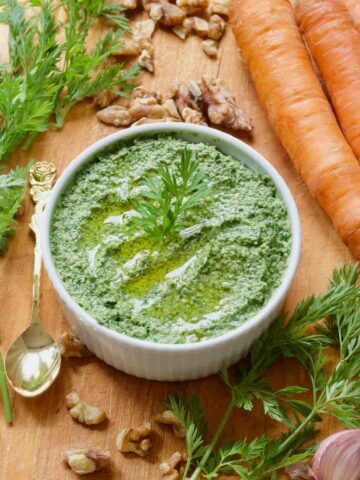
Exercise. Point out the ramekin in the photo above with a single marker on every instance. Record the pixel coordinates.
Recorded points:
(171, 362)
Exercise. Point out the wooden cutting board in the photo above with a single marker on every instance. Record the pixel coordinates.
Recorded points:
(42, 429)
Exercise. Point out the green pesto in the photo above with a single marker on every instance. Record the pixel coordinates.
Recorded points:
(198, 284)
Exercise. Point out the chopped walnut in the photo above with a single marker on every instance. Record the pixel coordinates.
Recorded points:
(144, 29)
(127, 4)
(141, 92)
(172, 468)
(188, 100)
(115, 115)
(213, 28)
(193, 116)
(164, 12)
(221, 106)
(146, 61)
(82, 412)
(210, 47)
(145, 107)
(192, 102)
(167, 417)
(184, 97)
(200, 26)
(138, 40)
(86, 460)
(220, 7)
(135, 440)
(192, 6)
(183, 30)
(172, 15)
(104, 98)
(71, 346)
(138, 110)
(155, 11)
(170, 107)
(217, 27)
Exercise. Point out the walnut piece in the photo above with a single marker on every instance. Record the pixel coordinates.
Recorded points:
(200, 26)
(185, 96)
(82, 412)
(71, 346)
(193, 116)
(188, 100)
(221, 107)
(210, 47)
(172, 15)
(86, 460)
(145, 107)
(146, 61)
(135, 440)
(220, 7)
(104, 98)
(172, 468)
(115, 115)
(164, 12)
(214, 28)
(167, 417)
(217, 27)
(183, 30)
(170, 107)
(127, 4)
(138, 40)
(155, 11)
(192, 6)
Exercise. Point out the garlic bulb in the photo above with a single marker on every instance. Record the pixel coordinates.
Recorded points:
(337, 458)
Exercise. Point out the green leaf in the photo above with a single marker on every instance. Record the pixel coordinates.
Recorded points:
(167, 196)
(35, 85)
(12, 189)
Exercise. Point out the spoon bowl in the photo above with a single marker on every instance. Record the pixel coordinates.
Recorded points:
(33, 362)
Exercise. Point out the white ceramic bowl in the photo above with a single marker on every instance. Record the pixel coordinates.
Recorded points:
(166, 361)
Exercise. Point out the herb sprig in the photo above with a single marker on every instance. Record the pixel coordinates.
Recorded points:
(336, 393)
(189, 412)
(48, 73)
(12, 189)
(167, 196)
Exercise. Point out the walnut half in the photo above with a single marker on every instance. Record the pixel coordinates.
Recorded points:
(86, 460)
(71, 346)
(82, 412)
(221, 107)
(135, 440)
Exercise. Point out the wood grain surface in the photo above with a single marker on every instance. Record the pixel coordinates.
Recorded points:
(32, 447)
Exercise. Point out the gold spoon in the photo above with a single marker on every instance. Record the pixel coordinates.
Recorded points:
(33, 361)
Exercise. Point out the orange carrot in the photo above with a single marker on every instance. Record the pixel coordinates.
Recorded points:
(270, 41)
(334, 44)
(354, 9)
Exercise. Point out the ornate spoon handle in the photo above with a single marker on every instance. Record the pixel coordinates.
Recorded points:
(42, 178)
